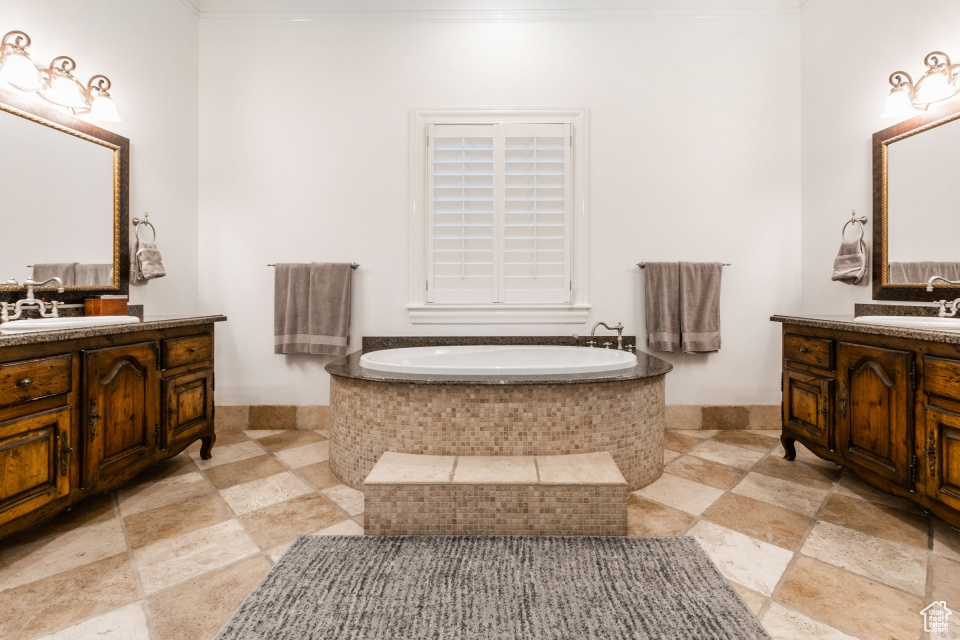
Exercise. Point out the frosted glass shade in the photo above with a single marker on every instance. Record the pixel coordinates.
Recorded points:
(20, 72)
(933, 87)
(898, 105)
(65, 91)
(103, 109)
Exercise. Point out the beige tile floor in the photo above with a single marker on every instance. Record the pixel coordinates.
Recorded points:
(813, 552)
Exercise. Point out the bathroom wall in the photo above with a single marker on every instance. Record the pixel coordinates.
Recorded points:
(850, 48)
(695, 155)
(149, 50)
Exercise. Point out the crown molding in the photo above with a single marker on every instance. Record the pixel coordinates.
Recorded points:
(787, 7)
(192, 8)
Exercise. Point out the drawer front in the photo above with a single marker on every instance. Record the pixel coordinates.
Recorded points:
(816, 352)
(178, 352)
(28, 380)
(941, 378)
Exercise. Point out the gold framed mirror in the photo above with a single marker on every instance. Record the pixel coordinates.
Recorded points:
(64, 202)
(915, 164)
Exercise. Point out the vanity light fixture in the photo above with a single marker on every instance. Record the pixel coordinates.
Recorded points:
(939, 83)
(56, 84)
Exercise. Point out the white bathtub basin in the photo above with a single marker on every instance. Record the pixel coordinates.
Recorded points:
(913, 322)
(57, 324)
(497, 360)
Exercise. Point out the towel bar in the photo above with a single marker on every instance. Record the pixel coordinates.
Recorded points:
(643, 265)
(353, 265)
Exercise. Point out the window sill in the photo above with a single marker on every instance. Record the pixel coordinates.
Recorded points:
(498, 313)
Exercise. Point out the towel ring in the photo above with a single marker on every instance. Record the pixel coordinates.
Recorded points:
(144, 223)
(854, 219)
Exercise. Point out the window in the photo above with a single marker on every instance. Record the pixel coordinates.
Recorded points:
(496, 231)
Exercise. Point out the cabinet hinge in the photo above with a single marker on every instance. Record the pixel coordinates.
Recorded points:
(156, 355)
(914, 470)
(913, 376)
(156, 434)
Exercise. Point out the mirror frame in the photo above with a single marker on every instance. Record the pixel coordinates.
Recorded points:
(882, 289)
(25, 107)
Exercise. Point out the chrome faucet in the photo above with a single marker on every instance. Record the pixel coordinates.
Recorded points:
(954, 308)
(941, 278)
(619, 329)
(31, 301)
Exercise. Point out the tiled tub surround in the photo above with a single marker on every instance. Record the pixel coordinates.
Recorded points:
(581, 494)
(624, 417)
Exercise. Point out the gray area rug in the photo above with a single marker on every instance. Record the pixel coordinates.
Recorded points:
(496, 587)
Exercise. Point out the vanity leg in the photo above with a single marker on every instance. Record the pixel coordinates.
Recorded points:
(789, 448)
(206, 443)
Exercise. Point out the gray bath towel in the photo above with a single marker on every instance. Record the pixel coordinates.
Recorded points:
(662, 302)
(147, 262)
(66, 271)
(850, 265)
(94, 275)
(700, 306)
(311, 308)
(913, 272)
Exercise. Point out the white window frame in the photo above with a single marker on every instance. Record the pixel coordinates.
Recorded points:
(422, 312)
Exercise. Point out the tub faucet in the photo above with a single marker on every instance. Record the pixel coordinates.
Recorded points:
(30, 300)
(619, 329)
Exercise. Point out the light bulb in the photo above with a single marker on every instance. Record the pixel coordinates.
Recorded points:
(103, 108)
(19, 71)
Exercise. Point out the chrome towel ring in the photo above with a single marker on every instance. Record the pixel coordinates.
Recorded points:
(860, 220)
(145, 222)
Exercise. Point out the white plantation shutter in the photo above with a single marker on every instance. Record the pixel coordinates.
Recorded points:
(461, 208)
(537, 213)
(499, 205)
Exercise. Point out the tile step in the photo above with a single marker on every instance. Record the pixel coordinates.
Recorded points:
(577, 494)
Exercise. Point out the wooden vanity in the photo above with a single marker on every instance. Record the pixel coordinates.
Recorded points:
(83, 411)
(881, 401)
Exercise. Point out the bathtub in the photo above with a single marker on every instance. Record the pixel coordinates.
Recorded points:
(499, 360)
(497, 400)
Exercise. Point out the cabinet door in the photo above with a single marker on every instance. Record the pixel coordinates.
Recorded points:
(942, 457)
(806, 407)
(35, 459)
(187, 406)
(120, 418)
(875, 407)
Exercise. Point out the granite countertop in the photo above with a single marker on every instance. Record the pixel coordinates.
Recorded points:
(847, 323)
(349, 367)
(149, 323)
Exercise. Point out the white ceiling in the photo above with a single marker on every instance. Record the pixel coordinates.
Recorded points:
(477, 9)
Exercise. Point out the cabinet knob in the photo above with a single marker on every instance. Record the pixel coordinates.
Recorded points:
(803, 349)
(26, 382)
(193, 349)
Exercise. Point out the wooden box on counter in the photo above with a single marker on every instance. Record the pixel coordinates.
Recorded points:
(105, 307)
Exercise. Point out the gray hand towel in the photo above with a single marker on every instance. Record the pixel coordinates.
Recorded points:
(66, 271)
(311, 308)
(662, 302)
(850, 264)
(94, 275)
(149, 264)
(914, 272)
(700, 306)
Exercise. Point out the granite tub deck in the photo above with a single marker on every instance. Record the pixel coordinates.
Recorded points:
(582, 494)
(372, 412)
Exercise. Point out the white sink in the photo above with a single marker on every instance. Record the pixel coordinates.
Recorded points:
(57, 324)
(913, 322)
